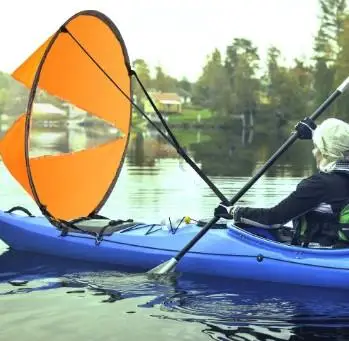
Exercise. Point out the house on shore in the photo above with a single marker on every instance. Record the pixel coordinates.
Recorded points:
(167, 102)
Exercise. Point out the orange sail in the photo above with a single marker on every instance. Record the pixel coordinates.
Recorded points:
(86, 64)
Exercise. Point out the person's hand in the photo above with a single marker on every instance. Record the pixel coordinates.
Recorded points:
(305, 128)
(223, 211)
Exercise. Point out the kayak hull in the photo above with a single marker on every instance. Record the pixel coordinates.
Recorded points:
(229, 252)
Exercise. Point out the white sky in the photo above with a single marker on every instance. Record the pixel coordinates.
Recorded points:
(176, 34)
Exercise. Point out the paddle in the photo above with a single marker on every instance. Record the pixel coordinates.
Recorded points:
(169, 265)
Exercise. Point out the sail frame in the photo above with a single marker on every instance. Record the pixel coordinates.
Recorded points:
(31, 98)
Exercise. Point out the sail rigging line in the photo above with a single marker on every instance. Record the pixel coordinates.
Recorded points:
(179, 149)
(172, 140)
(175, 141)
(131, 72)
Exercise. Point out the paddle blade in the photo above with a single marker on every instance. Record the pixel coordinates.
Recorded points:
(164, 268)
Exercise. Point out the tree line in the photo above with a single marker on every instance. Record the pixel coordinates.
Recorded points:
(235, 84)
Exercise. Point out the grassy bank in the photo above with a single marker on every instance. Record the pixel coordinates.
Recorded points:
(189, 115)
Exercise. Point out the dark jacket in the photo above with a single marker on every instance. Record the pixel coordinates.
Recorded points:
(327, 193)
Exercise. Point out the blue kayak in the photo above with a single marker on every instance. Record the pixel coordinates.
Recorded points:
(225, 251)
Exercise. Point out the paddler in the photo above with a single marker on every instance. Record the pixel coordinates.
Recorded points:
(319, 207)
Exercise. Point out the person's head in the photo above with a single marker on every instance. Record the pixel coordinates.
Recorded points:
(331, 142)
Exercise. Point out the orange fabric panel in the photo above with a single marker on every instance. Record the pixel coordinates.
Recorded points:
(70, 185)
(25, 73)
(70, 74)
(12, 152)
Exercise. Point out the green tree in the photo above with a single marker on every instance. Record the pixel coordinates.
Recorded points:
(163, 82)
(342, 70)
(4, 80)
(302, 79)
(288, 90)
(327, 46)
(4, 96)
(185, 88)
(4, 91)
(212, 90)
(142, 70)
(241, 66)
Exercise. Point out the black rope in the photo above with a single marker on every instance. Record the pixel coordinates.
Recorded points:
(179, 149)
(61, 224)
(173, 141)
(150, 230)
(169, 219)
(20, 208)
(136, 226)
(179, 224)
(118, 87)
(173, 138)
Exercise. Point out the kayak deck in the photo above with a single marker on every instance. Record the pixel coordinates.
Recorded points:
(226, 252)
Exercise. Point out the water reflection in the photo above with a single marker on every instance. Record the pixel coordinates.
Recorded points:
(146, 147)
(63, 139)
(218, 310)
(239, 152)
(226, 153)
(150, 187)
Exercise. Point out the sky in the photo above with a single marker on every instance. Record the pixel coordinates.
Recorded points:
(178, 35)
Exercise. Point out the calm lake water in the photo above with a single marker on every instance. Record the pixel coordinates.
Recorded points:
(65, 300)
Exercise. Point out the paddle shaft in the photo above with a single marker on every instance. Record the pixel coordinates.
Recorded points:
(266, 166)
(247, 186)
